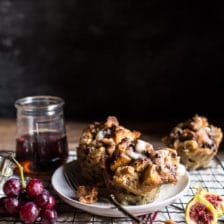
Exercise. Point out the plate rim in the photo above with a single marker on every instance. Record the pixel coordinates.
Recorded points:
(106, 206)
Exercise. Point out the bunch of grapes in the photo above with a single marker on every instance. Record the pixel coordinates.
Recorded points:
(30, 202)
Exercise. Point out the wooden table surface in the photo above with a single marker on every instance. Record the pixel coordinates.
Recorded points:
(155, 129)
(8, 132)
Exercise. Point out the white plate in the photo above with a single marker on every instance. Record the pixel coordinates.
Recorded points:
(168, 194)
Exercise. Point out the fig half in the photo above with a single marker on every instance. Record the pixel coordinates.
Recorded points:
(215, 199)
(200, 211)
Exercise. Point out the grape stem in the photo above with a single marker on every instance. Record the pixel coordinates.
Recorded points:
(20, 171)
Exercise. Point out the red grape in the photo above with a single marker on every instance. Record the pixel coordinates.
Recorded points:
(48, 216)
(34, 188)
(12, 187)
(29, 212)
(51, 202)
(12, 205)
(42, 199)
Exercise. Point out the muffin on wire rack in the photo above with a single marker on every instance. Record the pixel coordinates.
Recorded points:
(196, 142)
(112, 156)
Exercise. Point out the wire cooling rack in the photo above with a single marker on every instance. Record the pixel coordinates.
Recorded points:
(211, 179)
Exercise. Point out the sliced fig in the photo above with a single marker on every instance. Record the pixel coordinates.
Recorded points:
(215, 199)
(200, 211)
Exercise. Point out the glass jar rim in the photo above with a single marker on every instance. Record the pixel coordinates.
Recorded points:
(39, 103)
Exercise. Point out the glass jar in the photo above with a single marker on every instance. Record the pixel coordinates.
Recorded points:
(41, 143)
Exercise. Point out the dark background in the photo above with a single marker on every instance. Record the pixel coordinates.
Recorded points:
(134, 59)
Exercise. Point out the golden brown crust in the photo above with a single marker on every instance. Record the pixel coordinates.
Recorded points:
(196, 141)
(87, 194)
(142, 175)
(97, 144)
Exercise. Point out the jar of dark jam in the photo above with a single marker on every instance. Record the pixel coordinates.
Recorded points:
(41, 143)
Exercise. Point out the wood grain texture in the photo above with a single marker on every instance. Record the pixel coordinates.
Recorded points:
(133, 59)
(8, 133)
(74, 129)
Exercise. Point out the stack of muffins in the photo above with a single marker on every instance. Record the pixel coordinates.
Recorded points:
(114, 157)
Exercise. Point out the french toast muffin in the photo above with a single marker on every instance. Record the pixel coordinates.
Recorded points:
(196, 142)
(136, 171)
(114, 157)
(97, 144)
